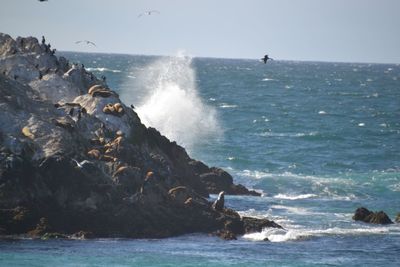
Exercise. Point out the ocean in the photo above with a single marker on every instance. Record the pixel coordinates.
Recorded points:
(317, 139)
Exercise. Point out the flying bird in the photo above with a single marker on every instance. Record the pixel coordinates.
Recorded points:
(81, 164)
(148, 13)
(265, 59)
(86, 41)
(42, 0)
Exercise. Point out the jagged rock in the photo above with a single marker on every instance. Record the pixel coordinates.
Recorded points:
(398, 218)
(217, 180)
(252, 225)
(109, 175)
(363, 214)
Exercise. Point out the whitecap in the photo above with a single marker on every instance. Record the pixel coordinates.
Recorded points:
(102, 69)
(361, 124)
(225, 105)
(267, 79)
(295, 197)
(294, 210)
(211, 99)
(322, 112)
(281, 235)
(231, 158)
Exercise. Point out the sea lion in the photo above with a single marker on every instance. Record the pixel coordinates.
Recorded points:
(218, 204)
(64, 124)
(120, 170)
(148, 175)
(108, 158)
(116, 109)
(94, 153)
(94, 88)
(119, 108)
(102, 93)
(27, 133)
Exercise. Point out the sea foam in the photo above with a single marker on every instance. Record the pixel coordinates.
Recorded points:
(169, 101)
(281, 235)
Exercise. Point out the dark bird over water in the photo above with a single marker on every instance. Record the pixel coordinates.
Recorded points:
(43, 0)
(265, 59)
(148, 13)
(87, 42)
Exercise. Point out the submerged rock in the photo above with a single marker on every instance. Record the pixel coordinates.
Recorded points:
(69, 169)
(363, 214)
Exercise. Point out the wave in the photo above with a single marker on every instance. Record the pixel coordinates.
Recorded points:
(225, 105)
(268, 79)
(295, 197)
(272, 134)
(290, 186)
(280, 235)
(103, 70)
(166, 97)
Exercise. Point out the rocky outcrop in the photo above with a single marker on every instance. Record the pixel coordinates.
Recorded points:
(363, 214)
(217, 180)
(398, 218)
(69, 168)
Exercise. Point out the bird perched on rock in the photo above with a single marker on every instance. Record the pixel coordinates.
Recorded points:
(220, 202)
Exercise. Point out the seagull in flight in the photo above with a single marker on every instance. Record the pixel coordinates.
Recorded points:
(265, 59)
(82, 163)
(86, 41)
(148, 13)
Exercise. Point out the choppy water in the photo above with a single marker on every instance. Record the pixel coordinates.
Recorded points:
(318, 139)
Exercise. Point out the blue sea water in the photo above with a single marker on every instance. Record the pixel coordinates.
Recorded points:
(317, 139)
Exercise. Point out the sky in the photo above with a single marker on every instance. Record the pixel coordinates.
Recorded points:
(311, 30)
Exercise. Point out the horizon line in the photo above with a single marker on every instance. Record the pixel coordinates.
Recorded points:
(239, 58)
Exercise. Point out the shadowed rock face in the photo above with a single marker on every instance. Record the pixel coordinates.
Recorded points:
(363, 214)
(67, 167)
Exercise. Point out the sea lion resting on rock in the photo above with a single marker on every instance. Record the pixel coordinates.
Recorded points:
(99, 90)
(220, 202)
(27, 133)
(115, 109)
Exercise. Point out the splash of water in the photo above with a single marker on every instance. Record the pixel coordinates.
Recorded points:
(168, 100)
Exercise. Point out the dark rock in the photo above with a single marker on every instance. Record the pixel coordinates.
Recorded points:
(226, 235)
(217, 180)
(101, 175)
(47, 236)
(252, 225)
(363, 214)
(398, 218)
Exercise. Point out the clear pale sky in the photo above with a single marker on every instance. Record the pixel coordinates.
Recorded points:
(318, 30)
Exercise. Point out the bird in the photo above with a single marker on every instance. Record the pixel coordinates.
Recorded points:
(42, 0)
(82, 163)
(148, 13)
(86, 41)
(219, 202)
(265, 59)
